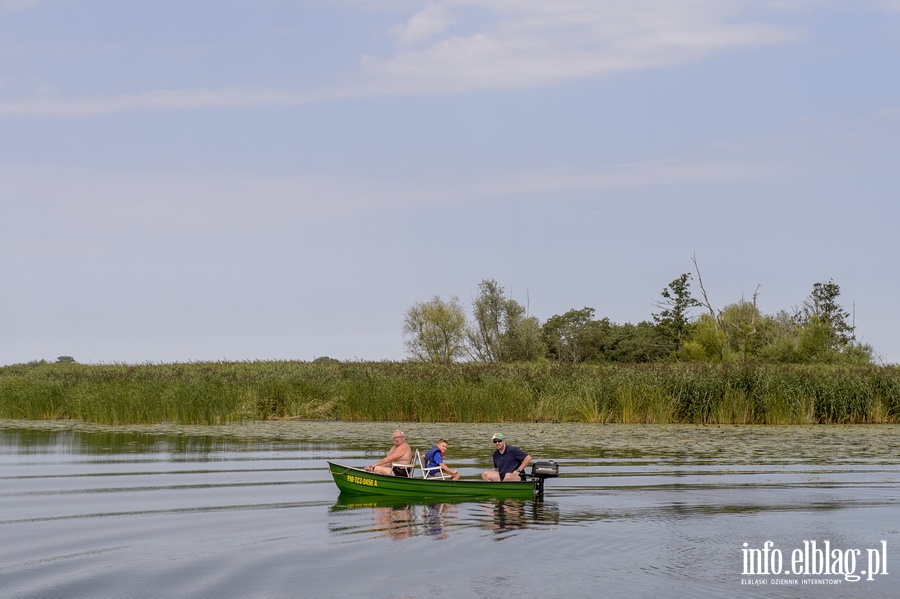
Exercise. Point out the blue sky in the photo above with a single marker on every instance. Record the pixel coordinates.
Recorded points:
(237, 180)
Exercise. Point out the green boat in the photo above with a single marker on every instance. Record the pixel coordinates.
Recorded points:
(356, 481)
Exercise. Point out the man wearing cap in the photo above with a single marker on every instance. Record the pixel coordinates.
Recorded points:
(509, 461)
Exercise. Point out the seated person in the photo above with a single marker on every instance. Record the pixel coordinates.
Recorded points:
(509, 461)
(434, 458)
(400, 453)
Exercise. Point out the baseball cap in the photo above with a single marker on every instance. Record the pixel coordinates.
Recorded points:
(498, 436)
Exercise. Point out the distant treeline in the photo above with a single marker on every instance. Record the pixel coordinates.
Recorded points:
(224, 392)
(816, 331)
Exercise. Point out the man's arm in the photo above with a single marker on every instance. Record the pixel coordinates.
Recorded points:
(525, 462)
(392, 456)
(401, 455)
(524, 459)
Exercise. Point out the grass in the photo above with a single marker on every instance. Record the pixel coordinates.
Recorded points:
(226, 392)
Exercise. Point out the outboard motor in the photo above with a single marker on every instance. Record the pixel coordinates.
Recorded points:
(542, 470)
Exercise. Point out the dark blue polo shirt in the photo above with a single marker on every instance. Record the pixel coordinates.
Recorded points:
(509, 460)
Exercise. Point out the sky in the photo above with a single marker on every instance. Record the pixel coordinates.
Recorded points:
(199, 180)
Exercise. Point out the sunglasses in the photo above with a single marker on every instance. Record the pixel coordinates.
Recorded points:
(498, 440)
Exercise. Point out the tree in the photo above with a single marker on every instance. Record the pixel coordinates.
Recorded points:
(821, 306)
(824, 335)
(711, 337)
(633, 343)
(436, 330)
(326, 360)
(523, 341)
(744, 328)
(568, 336)
(817, 331)
(576, 337)
(673, 320)
(488, 312)
(501, 331)
(708, 342)
(782, 344)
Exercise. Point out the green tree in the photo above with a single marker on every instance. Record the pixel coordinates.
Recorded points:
(816, 343)
(673, 321)
(523, 341)
(782, 343)
(822, 307)
(744, 328)
(502, 331)
(488, 313)
(817, 331)
(436, 330)
(707, 342)
(571, 337)
(825, 335)
(576, 337)
(635, 343)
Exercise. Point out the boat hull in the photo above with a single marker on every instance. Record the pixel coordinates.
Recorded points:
(356, 481)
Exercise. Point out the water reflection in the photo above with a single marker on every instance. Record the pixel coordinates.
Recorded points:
(119, 442)
(399, 519)
(509, 515)
(394, 522)
(438, 517)
(394, 518)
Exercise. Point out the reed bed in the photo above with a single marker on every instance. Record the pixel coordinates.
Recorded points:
(227, 392)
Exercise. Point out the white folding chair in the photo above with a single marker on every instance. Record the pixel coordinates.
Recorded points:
(432, 471)
(408, 468)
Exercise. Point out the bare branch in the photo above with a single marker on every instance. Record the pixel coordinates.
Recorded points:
(706, 303)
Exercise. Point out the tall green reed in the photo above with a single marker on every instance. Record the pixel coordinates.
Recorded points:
(223, 392)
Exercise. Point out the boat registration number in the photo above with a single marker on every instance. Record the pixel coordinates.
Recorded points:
(359, 480)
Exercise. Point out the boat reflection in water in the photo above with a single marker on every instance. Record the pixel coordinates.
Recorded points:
(399, 519)
(506, 516)
(394, 522)
(394, 518)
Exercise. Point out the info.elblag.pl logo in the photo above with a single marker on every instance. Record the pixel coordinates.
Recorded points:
(813, 559)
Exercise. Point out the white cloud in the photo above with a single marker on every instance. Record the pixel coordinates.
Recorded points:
(511, 43)
(539, 43)
(431, 21)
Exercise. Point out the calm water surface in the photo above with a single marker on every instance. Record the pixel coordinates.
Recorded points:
(250, 511)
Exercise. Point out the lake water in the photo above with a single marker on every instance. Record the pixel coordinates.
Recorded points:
(250, 511)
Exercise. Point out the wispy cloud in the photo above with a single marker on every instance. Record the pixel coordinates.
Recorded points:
(507, 44)
(889, 5)
(163, 99)
(540, 43)
(434, 19)
(10, 5)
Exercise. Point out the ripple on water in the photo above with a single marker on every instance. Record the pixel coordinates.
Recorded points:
(251, 511)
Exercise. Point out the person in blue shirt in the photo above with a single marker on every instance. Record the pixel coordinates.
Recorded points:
(509, 461)
(434, 458)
